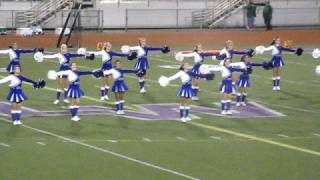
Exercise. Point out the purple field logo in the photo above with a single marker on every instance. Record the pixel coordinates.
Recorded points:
(168, 111)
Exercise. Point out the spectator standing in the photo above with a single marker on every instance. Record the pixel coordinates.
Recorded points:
(267, 15)
(251, 14)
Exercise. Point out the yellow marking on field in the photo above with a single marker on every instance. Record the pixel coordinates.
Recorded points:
(259, 139)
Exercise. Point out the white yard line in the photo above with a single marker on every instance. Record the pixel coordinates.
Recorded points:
(107, 151)
(215, 137)
(316, 134)
(4, 144)
(181, 138)
(282, 135)
(146, 140)
(41, 143)
(112, 140)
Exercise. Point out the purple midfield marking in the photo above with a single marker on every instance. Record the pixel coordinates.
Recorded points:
(151, 111)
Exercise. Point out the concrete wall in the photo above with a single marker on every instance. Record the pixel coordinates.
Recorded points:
(164, 13)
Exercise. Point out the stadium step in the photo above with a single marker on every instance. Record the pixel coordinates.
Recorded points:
(41, 12)
(211, 17)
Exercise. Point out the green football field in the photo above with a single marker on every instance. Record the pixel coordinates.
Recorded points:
(212, 147)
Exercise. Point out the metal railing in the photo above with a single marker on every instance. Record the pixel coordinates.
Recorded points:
(41, 12)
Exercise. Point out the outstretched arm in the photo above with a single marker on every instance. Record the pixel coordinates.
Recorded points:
(118, 54)
(80, 73)
(50, 56)
(7, 51)
(5, 80)
(128, 71)
(175, 76)
(23, 78)
(74, 55)
(154, 48)
(256, 64)
(288, 49)
(96, 53)
(25, 51)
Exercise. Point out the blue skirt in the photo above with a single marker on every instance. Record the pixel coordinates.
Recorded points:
(196, 70)
(11, 65)
(243, 81)
(16, 95)
(277, 61)
(186, 90)
(119, 86)
(142, 64)
(75, 92)
(226, 86)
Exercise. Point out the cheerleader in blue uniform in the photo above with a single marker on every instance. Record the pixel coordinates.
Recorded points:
(64, 60)
(106, 55)
(119, 86)
(185, 91)
(230, 52)
(142, 63)
(277, 60)
(226, 86)
(198, 61)
(14, 54)
(16, 95)
(243, 81)
(74, 91)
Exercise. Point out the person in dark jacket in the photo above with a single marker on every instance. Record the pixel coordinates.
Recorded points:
(267, 15)
(251, 14)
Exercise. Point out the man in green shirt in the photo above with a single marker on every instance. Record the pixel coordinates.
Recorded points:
(251, 15)
(267, 15)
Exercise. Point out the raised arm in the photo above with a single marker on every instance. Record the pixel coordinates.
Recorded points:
(256, 64)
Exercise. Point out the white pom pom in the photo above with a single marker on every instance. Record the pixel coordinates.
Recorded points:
(82, 51)
(52, 75)
(214, 58)
(316, 53)
(318, 70)
(38, 56)
(125, 49)
(204, 69)
(259, 49)
(163, 81)
(179, 57)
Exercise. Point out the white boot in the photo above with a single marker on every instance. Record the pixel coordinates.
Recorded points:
(75, 118)
(56, 102)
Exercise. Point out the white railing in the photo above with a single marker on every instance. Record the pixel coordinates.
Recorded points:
(209, 17)
(41, 12)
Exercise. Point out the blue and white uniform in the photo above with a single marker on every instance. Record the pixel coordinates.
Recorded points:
(230, 53)
(142, 54)
(16, 93)
(119, 84)
(106, 57)
(277, 60)
(14, 55)
(64, 61)
(244, 78)
(74, 90)
(186, 89)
